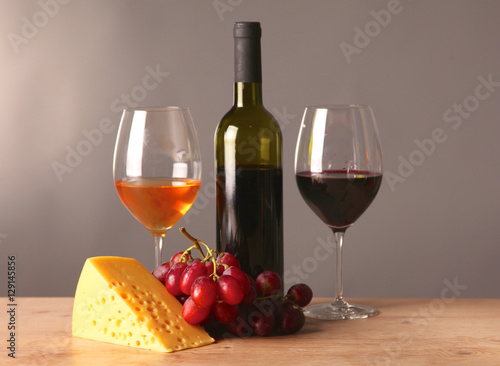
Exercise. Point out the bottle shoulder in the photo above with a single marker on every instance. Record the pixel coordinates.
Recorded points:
(248, 137)
(249, 117)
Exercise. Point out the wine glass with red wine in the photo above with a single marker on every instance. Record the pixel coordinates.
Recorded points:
(157, 167)
(338, 168)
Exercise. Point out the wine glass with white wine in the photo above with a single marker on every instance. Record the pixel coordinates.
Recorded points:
(157, 167)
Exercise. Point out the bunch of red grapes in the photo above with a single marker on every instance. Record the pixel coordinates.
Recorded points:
(226, 300)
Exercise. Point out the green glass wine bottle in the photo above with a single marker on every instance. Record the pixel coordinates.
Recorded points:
(248, 146)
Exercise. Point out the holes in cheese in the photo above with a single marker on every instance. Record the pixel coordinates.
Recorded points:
(119, 301)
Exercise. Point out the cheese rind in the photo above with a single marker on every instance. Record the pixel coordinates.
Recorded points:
(119, 301)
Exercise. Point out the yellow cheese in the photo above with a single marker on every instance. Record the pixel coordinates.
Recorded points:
(119, 301)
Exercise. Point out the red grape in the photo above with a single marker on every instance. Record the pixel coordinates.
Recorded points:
(210, 267)
(161, 271)
(194, 270)
(182, 298)
(292, 320)
(250, 296)
(261, 324)
(173, 278)
(276, 306)
(192, 313)
(204, 291)
(239, 327)
(177, 257)
(300, 294)
(252, 293)
(251, 281)
(224, 313)
(268, 283)
(229, 290)
(228, 259)
(267, 307)
(240, 276)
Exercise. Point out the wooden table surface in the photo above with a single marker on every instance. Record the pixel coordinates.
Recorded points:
(443, 331)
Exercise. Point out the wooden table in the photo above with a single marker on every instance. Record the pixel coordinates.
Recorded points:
(447, 331)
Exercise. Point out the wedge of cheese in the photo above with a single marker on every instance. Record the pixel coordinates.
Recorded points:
(119, 301)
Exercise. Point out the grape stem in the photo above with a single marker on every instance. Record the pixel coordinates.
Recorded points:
(211, 253)
(194, 240)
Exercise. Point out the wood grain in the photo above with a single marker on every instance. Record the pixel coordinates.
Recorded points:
(407, 332)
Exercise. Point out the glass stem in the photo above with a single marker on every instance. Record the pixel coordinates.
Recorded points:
(158, 248)
(339, 287)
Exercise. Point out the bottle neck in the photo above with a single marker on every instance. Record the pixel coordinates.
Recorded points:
(247, 64)
(247, 94)
(247, 60)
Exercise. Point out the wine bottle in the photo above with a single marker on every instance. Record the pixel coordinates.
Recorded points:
(248, 147)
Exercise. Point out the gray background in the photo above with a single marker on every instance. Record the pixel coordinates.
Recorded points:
(65, 66)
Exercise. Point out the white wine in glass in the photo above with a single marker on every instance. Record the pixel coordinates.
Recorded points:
(157, 167)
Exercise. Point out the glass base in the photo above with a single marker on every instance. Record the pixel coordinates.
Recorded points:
(340, 310)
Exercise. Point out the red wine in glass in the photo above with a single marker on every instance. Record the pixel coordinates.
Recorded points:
(338, 169)
(338, 197)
